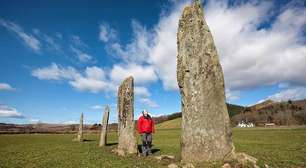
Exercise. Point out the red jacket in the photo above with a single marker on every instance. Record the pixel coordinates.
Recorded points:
(145, 125)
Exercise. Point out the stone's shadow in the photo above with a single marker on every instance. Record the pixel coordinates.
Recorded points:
(111, 144)
(139, 148)
(88, 140)
(154, 150)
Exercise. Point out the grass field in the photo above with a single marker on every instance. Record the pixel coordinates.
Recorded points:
(285, 147)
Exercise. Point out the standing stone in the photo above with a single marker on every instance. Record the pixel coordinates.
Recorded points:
(103, 137)
(80, 133)
(127, 142)
(206, 132)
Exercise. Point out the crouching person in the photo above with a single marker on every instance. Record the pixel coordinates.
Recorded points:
(145, 126)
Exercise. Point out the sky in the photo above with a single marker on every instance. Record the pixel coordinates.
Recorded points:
(63, 58)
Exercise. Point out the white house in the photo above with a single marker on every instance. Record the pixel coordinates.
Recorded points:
(242, 124)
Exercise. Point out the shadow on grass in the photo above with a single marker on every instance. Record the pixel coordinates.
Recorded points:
(111, 144)
(88, 140)
(153, 150)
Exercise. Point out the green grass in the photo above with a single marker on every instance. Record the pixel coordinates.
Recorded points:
(58, 150)
(171, 124)
(284, 147)
(276, 147)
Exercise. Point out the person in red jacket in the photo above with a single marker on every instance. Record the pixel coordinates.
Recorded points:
(145, 126)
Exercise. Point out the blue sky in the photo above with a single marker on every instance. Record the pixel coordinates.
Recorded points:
(61, 58)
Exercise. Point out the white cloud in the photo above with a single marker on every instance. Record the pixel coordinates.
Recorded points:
(107, 33)
(93, 80)
(34, 121)
(232, 95)
(55, 72)
(283, 85)
(148, 102)
(254, 49)
(80, 50)
(164, 49)
(82, 56)
(97, 107)
(156, 47)
(296, 93)
(70, 122)
(9, 112)
(54, 44)
(59, 35)
(137, 51)
(253, 55)
(141, 74)
(76, 40)
(7, 87)
(95, 73)
(142, 91)
(152, 50)
(50, 41)
(28, 39)
(88, 84)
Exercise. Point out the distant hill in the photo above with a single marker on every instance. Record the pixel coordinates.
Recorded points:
(174, 121)
(39, 128)
(280, 113)
(232, 110)
(52, 128)
(73, 128)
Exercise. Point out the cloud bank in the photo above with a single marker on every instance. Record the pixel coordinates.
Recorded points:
(257, 44)
(9, 112)
(6, 87)
(28, 39)
(95, 80)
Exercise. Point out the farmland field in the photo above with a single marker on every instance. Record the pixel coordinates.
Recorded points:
(284, 147)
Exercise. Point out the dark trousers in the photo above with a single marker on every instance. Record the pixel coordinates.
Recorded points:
(146, 143)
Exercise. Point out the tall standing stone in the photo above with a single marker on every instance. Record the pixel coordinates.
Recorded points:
(80, 133)
(127, 142)
(103, 137)
(206, 132)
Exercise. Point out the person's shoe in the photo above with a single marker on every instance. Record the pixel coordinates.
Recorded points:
(143, 150)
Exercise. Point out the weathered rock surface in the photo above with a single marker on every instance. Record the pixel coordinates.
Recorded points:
(173, 165)
(80, 133)
(188, 165)
(165, 157)
(103, 137)
(127, 142)
(244, 159)
(226, 165)
(206, 132)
